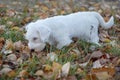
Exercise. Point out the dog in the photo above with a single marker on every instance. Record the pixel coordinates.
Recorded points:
(59, 30)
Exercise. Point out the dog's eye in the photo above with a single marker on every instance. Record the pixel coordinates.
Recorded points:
(35, 38)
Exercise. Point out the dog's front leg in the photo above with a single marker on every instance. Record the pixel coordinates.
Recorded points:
(64, 42)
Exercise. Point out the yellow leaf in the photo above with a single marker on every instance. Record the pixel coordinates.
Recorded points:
(45, 8)
(15, 28)
(9, 45)
(48, 68)
(62, 12)
(107, 40)
(82, 9)
(56, 67)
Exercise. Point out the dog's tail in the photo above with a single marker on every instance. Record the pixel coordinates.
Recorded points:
(104, 24)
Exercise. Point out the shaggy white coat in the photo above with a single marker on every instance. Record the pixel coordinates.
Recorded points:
(60, 30)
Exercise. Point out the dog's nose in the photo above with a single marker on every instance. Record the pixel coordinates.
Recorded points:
(32, 50)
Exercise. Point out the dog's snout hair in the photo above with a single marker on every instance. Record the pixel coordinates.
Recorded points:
(61, 29)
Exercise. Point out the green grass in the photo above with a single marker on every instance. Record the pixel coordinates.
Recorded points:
(13, 35)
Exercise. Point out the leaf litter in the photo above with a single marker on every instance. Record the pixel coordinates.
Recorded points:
(76, 62)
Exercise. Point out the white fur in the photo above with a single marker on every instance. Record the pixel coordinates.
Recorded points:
(60, 30)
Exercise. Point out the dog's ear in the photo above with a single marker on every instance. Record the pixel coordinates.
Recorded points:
(44, 33)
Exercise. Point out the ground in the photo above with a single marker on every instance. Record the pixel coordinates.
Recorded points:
(79, 61)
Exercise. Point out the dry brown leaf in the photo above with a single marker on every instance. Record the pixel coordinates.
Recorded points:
(109, 70)
(91, 77)
(79, 71)
(12, 57)
(2, 29)
(25, 49)
(48, 68)
(9, 45)
(96, 54)
(2, 41)
(10, 12)
(56, 67)
(39, 73)
(19, 60)
(23, 73)
(18, 45)
(11, 74)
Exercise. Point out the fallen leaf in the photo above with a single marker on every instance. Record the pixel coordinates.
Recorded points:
(103, 76)
(91, 77)
(19, 60)
(9, 45)
(39, 73)
(96, 54)
(48, 68)
(5, 70)
(25, 49)
(109, 70)
(65, 69)
(12, 57)
(16, 28)
(2, 41)
(106, 40)
(11, 74)
(2, 29)
(97, 64)
(56, 67)
(23, 73)
(18, 45)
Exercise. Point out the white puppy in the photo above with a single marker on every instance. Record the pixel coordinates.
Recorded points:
(60, 30)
